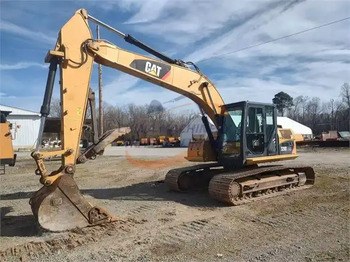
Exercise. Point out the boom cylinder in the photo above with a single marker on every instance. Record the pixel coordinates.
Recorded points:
(131, 40)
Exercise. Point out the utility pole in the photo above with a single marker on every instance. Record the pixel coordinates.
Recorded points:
(100, 107)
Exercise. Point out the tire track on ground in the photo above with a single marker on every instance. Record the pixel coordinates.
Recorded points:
(187, 231)
(73, 239)
(304, 231)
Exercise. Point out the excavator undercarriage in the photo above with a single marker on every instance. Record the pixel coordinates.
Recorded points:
(243, 185)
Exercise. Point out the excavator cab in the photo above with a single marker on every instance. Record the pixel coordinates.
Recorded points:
(248, 134)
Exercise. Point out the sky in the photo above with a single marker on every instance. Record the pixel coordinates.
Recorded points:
(315, 63)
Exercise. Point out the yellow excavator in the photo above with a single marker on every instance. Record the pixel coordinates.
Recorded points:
(7, 157)
(247, 132)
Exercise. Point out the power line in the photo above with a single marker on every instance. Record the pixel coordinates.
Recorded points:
(277, 39)
(267, 42)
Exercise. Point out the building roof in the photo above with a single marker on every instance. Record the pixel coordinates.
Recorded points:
(297, 128)
(18, 111)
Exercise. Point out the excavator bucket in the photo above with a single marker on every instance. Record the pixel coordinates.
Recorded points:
(61, 206)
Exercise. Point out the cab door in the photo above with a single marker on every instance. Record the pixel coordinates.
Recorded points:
(271, 130)
(261, 131)
(255, 131)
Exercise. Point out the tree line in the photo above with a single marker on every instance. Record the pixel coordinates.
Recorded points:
(145, 121)
(320, 116)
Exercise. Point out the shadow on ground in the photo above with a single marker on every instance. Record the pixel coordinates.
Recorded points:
(146, 191)
(154, 191)
(21, 225)
(26, 225)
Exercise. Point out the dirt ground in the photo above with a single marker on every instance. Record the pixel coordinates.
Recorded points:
(159, 225)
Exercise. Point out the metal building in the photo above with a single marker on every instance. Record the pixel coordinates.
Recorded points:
(195, 130)
(25, 126)
(301, 131)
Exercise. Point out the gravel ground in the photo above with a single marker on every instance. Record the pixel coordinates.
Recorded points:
(159, 225)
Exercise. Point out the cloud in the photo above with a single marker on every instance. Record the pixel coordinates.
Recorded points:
(9, 27)
(21, 65)
(296, 65)
(115, 89)
(314, 64)
(155, 7)
(6, 97)
(245, 32)
(309, 79)
(123, 5)
(188, 22)
(326, 38)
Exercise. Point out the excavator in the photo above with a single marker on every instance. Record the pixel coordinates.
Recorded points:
(235, 172)
(7, 156)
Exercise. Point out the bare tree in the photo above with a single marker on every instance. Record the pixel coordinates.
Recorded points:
(345, 94)
(314, 110)
(333, 108)
(294, 112)
(332, 115)
(55, 107)
(144, 120)
(114, 117)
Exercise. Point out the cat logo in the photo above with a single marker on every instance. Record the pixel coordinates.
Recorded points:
(153, 68)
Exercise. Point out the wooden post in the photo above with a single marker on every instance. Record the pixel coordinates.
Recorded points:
(100, 106)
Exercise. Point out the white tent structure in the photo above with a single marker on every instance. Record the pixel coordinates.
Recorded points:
(195, 130)
(298, 129)
(25, 126)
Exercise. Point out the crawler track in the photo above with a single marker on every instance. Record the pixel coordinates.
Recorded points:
(241, 186)
(245, 186)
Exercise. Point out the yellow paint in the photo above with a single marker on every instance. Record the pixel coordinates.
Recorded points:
(153, 73)
(265, 159)
(6, 148)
